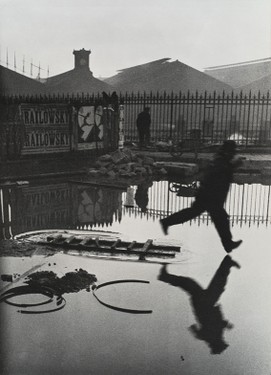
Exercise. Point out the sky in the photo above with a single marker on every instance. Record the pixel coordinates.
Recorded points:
(125, 33)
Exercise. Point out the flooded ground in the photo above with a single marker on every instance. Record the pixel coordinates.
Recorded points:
(203, 313)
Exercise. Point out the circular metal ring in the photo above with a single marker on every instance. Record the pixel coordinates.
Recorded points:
(24, 290)
(122, 309)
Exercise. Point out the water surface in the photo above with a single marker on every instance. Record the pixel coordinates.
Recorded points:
(86, 337)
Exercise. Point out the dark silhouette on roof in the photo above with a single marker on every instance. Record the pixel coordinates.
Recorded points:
(13, 83)
(163, 75)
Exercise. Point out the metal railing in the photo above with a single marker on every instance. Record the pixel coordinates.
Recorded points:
(211, 117)
(247, 204)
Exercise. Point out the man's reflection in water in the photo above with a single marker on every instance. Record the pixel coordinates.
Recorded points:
(141, 195)
(211, 323)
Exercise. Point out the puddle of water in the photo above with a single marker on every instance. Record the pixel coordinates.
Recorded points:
(72, 206)
(88, 337)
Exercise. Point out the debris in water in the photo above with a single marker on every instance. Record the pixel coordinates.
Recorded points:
(7, 278)
(71, 282)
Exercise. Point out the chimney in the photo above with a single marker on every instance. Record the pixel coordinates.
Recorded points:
(81, 59)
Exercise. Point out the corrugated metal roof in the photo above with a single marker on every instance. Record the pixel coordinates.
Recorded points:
(76, 81)
(261, 85)
(163, 75)
(13, 83)
(241, 74)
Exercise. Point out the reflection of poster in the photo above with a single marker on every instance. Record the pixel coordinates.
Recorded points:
(89, 209)
(90, 127)
(59, 205)
(42, 207)
(97, 205)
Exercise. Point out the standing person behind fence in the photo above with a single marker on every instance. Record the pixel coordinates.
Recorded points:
(212, 195)
(143, 123)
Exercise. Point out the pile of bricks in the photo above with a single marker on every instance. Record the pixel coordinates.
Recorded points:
(125, 164)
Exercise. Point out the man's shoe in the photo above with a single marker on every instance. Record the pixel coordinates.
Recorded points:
(162, 273)
(164, 226)
(232, 245)
(235, 264)
(231, 262)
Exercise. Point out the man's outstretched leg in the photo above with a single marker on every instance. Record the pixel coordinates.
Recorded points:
(219, 281)
(186, 283)
(181, 217)
(222, 224)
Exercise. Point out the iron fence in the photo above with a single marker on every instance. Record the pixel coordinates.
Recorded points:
(21, 134)
(211, 118)
(246, 204)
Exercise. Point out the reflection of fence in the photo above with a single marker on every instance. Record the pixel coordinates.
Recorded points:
(56, 206)
(214, 117)
(68, 206)
(246, 204)
(5, 212)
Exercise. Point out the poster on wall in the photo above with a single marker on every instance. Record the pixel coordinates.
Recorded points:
(47, 128)
(90, 127)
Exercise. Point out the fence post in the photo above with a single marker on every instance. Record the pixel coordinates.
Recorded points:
(121, 126)
(248, 118)
(171, 115)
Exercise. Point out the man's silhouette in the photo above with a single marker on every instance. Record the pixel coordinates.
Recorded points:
(143, 123)
(211, 196)
(211, 323)
(141, 195)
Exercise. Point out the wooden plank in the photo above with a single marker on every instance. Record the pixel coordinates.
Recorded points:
(147, 245)
(97, 242)
(167, 247)
(108, 250)
(115, 247)
(136, 244)
(68, 240)
(115, 244)
(56, 239)
(109, 243)
(131, 246)
(85, 241)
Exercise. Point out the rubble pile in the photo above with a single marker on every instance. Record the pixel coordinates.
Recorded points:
(125, 164)
(71, 282)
